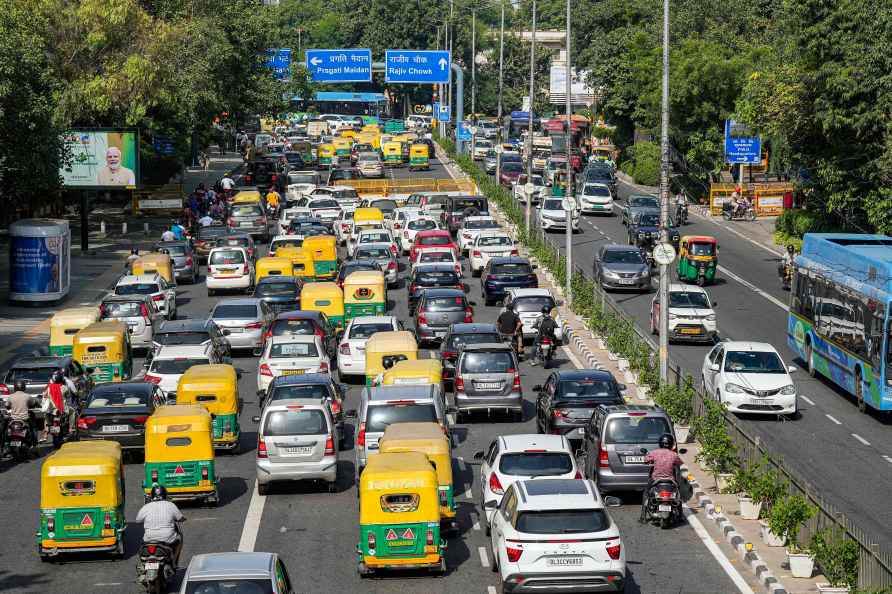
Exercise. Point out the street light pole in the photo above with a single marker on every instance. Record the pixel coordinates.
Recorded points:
(449, 88)
(530, 118)
(501, 80)
(664, 201)
(569, 213)
(473, 62)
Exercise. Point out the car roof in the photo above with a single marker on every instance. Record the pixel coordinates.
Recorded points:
(173, 326)
(531, 292)
(473, 328)
(578, 374)
(174, 242)
(238, 301)
(509, 260)
(284, 403)
(182, 351)
(34, 362)
(747, 345)
(233, 564)
(303, 379)
(382, 394)
(532, 441)
(381, 245)
(632, 408)
(493, 233)
(488, 346)
(280, 278)
(135, 279)
(124, 298)
(682, 288)
(293, 338)
(553, 494)
(620, 247)
(372, 320)
(127, 387)
(443, 292)
(299, 314)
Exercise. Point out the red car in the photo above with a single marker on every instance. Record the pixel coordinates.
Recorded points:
(436, 238)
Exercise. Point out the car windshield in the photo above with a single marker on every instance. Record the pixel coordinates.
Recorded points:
(436, 277)
(374, 238)
(753, 362)
(636, 429)
(173, 250)
(247, 210)
(512, 167)
(35, 375)
(643, 201)
(535, 463)
(487, 362)
(284, 350)
(384, 205)
(457, 342)
(109, 398)
(174, 366)
(363, 331)
(295, 422)
(281, 243)
(373, 253)
(494, 240)
(298, 327)
(533, 303)
(432, 240)
(445, 304)
(685, 299)
(460, 204)
(434, 257)
(484, 224)
(512, 268)
(268, 288)
(212, 232)
(137, 289)
(422, 225)
(235, 312)
(126, 309)
(234, 242)
(594, 190)
(179, 338)
(648, 220)
(230, 586)
(552, 205)
(701, 249)
(302, 178)
(224, 257)
(562, 521)
(585, 389)
(324, 203)
(314, 391)
(379, 417)
(623, 257)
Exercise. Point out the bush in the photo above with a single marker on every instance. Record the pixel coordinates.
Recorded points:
(837, 556)
(796, 222)
(717, 452)
(643, 163)
(787, 518)
(677, 401)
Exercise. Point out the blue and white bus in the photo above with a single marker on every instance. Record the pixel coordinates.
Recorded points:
(840, 304)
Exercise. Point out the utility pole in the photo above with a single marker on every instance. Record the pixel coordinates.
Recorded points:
(501, 80)
(568, 292)
(664, 201)
(529, 195)
(449, 101)
(473, 62)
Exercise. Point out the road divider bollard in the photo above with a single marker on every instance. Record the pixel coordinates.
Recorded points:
(145, 228)
(102, 227)
(124, 228)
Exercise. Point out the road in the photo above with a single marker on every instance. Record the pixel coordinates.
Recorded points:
(315, 531)
(844, 454)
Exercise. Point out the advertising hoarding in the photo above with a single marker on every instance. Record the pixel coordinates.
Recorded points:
(105, 159)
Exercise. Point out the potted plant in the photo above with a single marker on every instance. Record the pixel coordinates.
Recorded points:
(742, 483)
(786, 520)
(717, 452)
(837, 557)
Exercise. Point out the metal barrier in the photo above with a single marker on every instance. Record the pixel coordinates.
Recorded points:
(167, 199)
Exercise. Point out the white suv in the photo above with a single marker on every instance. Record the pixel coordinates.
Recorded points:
(164, 295)
(517, 457)
(351, 350)
(528, 304)
(556, 534)
(749, 377)
(691, 316)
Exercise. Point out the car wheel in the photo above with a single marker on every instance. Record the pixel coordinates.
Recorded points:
(809, 363)
(262, 489)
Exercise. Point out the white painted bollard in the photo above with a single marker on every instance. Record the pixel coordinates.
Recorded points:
(102, 227)
(124, 228)
(145, 228)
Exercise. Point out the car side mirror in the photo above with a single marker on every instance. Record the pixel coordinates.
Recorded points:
(479, 455)
(611, 501)
(491, 504)
(791, 369)
(713, 366)
(683, 450)
(255, 419)
(350, 414)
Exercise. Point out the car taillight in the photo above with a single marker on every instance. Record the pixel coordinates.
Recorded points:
(360, 437)
(429, 539)
(513, 554)
(253, 325)
(248, 179)
(85, 422)
(344, 349)
(558, 413)
(469, 315)
(422, 319)
(154, 379)
(231, 222)
(370, 539)
(514, 252)
(4, 389)
(323, 367)
(152, 549)
(412, 288)
(107, 522)
(274, 177)
(459, 384)
(158, 297)
(495, 485)
(516, 377)
(613, 549)
(477, 254)
(140, 420)
(102, 311)
(546, 340)
(448, 354)
(329, 447)
(261, 449)
(143, 310)
(578, 476)
(603, 460)
(189, 261)
(265, 370)
(391, 266)
(665, 495)
(393, 248)
(335, 407)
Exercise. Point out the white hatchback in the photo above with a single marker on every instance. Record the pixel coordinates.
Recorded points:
(229, 268)
(351, 350)
(344, 225)
(172, 361)
(595, 199)
(473, 226)
(528, 304)
(356, 230)
(437, 255)
(290, 355)
(372, 236)
(412, 227)
(750, 377)
(489, 244)
(163, 295)
(551, 215)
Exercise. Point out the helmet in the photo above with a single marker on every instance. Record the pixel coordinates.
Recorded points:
(19, 385)
(57, 376)
(134, 252)
(510, 307)
(158, 493)
(667, 441)
(546, 310)
(791, 248)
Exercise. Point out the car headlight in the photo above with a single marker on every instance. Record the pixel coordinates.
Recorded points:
(788, 390)
(710, 318)
(611, 274)
(733, 389)
(672, 316)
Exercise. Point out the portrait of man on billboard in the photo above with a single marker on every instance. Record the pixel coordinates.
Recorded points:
(114, 173)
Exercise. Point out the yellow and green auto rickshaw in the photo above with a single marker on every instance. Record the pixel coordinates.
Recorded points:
(180, 453)
(82, 500)
(325, 154)
(324, 250)
(419, 157)
(155, 263)
(302, 264)
(399, 515)
(349, 134)
(65, 324)
(215, 387)
(430, 440)
(277, 265)
(395, 346)
(365, 294)
(698, 259)
(342, 147)
(105, 348)
(393, 153)
(419, 372)
(326, 297)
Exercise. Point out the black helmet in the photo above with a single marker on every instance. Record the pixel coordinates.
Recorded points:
(20, 385)
(57, 376)
(134, 252)
(546, 310)
(667, 442)
(791, 248)
(158, 493)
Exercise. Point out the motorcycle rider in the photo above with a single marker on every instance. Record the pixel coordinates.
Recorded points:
(159, 518)
(546, 327)
(509, 324)
(665, 463)
(56, 401)
(272, 199)
(20, 409)
(681, 208)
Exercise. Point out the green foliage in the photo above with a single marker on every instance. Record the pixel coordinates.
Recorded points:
(676, 400)
(717, 452)
(787, 518)
(837, 556)
(643, 163)
(796, 222)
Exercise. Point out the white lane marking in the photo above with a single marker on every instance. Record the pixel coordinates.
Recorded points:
(490, 590)
(807, 399)
(753, 287)
(861, 439)
(739, 234)
(572, 357)
(484, 556)
(888, 459)
(252, 521)
(108, 584)
(717, 552)
(832, 418)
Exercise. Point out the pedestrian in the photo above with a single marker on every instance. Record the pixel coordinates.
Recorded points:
(133, 257)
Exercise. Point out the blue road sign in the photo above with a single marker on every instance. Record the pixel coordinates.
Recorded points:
(278, 59)
(340, 65)
(442, 112)
(414, 66)
(463, 132)
(740, 145)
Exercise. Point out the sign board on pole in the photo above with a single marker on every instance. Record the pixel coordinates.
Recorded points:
(102, 159)
(442, 112)
(740, 144)
(278, 59)
(340, 65)
(416, 66)
(580, 92)
(463, 132)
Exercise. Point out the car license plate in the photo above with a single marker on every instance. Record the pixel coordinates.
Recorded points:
(666, 508)
(762, 401)
(303, 450)
(488, 385)
(153, 564)
(226, 270)
(579, 431)
(115, 428)
(564, 561)
(246, 224)
(634, 459)
(627, 281)
(235, 330)
(293, 371)
(691, 331)
(15, 444)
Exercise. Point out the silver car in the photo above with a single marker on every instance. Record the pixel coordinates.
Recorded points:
(383, 256)
(437, 310)
(487, 378)
(237, 571)
(246, 319)
(622, 267)
(297, 440)
(185, 262)
(251, 219)
(138, 312)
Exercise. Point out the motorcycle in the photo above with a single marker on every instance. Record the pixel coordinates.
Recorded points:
(663, 503)
(785, 272)
(58, 429)
(516, 342)
(544, 351)
(730, 212)
(681, 214)
(156, 566)
(18, 440)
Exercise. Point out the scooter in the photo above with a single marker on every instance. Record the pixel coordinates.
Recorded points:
(785, 272)
(18, 440)
(663, 504)
(156, 566)
(545, 351)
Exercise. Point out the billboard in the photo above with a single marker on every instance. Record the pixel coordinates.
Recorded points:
(102, 158)
(278, 59)
(580, 92)
(741, 146)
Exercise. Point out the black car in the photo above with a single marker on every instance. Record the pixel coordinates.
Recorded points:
(206, 240)
(644, 227)
(118, 412)
(310, 386)
(351, 266)
(565, 403)
(37, 371)
(192, 332)
(295, 160)
(458, 206)
(460, 335)
(281, 293)
(264, 173)
(429, 276)
(345, 173)
(637, 203)
(307, 322)
(503, 273)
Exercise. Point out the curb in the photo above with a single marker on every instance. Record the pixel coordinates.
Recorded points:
(573, 337)
(751, 558)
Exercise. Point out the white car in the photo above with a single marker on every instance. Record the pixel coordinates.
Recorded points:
(539, 188)
(528, 304)
(422, 122)
(371, 236)
(595, 198)
(437, 255)
(327, 209)
(401, 216)
(229, 268)
(471, 227)
(356, 229)
(481, 146)
(551, 215)
(164, 295)
(289, 214)
(351, 350)
(489, 244)
(290, 355)
(344, 225)
(280, 241)
(413, 226)
(512, 458)
(296, 191)
(370, 167)
(750, 377)
(691, 316)
(172, 361)
(555, 535)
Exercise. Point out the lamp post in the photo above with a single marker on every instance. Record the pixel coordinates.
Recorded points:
(501, 80)
(664, 201)
(530, 118)
(569, 214)
(473, 63)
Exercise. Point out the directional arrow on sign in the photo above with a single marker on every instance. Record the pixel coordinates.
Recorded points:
(442, 63)
(315, 61)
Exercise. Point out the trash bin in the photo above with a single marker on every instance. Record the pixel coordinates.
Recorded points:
(39, 260)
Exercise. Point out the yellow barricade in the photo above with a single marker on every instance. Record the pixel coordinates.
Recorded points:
(388, 187)
(768, 198)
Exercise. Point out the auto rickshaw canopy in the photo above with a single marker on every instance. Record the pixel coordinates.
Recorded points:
(102, 342)
(213, 387)
(177, 433)
(83, 474)
(398, 488)
(67, 322)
